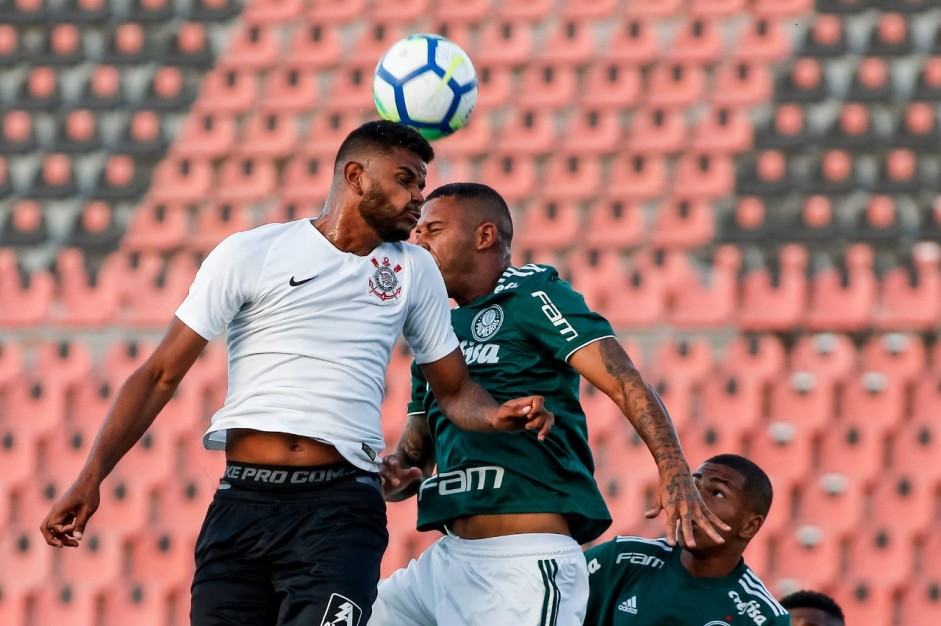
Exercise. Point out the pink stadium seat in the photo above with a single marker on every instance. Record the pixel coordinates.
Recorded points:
(547, 85)
(891, 37)
(78, 132)
(876, 397)
(638, 176)
(14, 607)
(758, 358)
(515, 177)
(917, 126)
(314, 45)
(782, 8)
(11, 47)
(55, 178)
(550, 223)
(882, 550)
(675, 85)
(62, 46)
(611, 83)
(828, 356)
(169, 90)
(206, 134)
(227, 89)
(143, 136)
(569, 41)
(495, 85)
(127, 43)
(683, 224)
(592, 132)
(657, 130)
(833, 306)
(725, 130)
(24, 300)
(474, 139)
(183, 500)
(704, 176)
(531, 132)
(352, 86)
(786, 455)
(921, 602)
(290, 89)
(634, 40)
(17, 134)
(614, 223)
(154, 302)
(572, 176)
(914, 449)
(473, 11)
(527, 10)
(190, 47)
(697, 41)
(872, 81)
(863, 600)
(216, 221)
(685, 359)
(926, 392)
(928, 566)
(803, 399)
(27, 560)
(656, 8)
(333, 11)
(40, 90)
(831, 503)
(63, 362)
(639, 299)
(742, 83)
(373, 40)
(901, 356)
(97, 564)
(157, 227)
(328, 128)
(768, 307)
(907, 306)
(182, 179)
(246, 179)
(717, 8)
(764, 41)
(25, 225)
(804, 83)
(903, 502)
(307, 176)
(118, 179)
(120, 360)
(709, 301)
(161, 555)
(19, 455)
(251, 46)
(595, 274)
(135, 602)
(730, 402)
(125, 504)
(508, 43)
(11, 362)
(702, 441)
(849, 448)
(273, 11)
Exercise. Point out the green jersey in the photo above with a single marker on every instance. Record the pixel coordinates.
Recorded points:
(641, 582)
(517, 341)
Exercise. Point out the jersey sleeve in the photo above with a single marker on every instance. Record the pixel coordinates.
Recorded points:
(602, 584)
(226, 280)
(428, 322)
(420, 390)
(558, 317)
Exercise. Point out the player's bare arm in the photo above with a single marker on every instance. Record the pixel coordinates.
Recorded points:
(136, 406)
(413, 460)
(608, 367)
(471, 407)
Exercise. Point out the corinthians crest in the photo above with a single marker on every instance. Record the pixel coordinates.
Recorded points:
(384, 283)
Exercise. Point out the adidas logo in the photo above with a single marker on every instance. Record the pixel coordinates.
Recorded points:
(629, 605)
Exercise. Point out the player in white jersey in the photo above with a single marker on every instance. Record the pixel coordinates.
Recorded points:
(297, 529)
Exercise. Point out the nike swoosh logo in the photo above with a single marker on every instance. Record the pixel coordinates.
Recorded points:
(298, 283)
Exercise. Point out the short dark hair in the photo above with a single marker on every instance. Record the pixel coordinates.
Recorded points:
(384, 136)
(758, 492)
(805, 599)
(487, 200)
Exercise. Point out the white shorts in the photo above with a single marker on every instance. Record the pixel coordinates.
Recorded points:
(516, 580)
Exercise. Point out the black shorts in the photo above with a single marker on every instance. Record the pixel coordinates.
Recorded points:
(306, 555)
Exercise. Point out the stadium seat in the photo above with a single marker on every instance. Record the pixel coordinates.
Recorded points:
(61, 46)
(374, 39)
(314, 45)
(135, 602)
(120, 360)
(723, 130)
(902, 502)
(526, 10)
(190, 46)
(767, 175)
(915, 446)
(656, 8)
(63, 452)
(891, 37)
(876, 397)
(675, 85)
(828, 356)
(17, 133)
(25, 225)
(547, 85)
(901, 356)
(97, 564)
(161, 555)
(119, 179)
(682, 224)
(684, 359)
(844, 304)
(11, 362)
(55, 178)
(25, 298)
(246, 179)
(183, 500)
(127, 44)
(917, 128)
(725, 401)
(470, 11)
(804, 400)
(227, 89)
(611, 83)
(12, 49)
(352, 87)
(15, 608)
(596, 275)
(570, 41)
(709, 300)
(60, 600)
(38, 402)
(572, 176)
(19, 457)
(804, 83)
(640, 298)
(290, 90)
(103, 90)
(831, 503)
(181, 178)
(921, 602)
(156, 227)
(705, 176)
(776, 300)
(787, 130)
(25, 12)
(634, 41)
(698, 40)
(216, 221)
(863, 600)
(784, 452)
(171, 90)
(269, 135)
(703, 441)
(755, 358)
(782, 8)
(833, 172)
(872, 82)
(307, 177)
(911, 297)
(843, 7)
(150, 10)
(515, 177)
(531, 132)
(496, 87)
(269, 12)
(592, 131)
(143, 137)
(825, 37)
(153, 302)
(764, 41)
(657, 130)
(883, 220)
(850, 448)
(742, 83)
(27, 560)
(614, 223)
(852, 130)
(40, 90)
(63, 362)
(899, 173)
(504, 42)
(637, 176)
(206, 134)
(337, 12)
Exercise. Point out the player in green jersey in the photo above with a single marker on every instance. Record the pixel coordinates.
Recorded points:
(812, 608)
(515, 509)
(647, 582)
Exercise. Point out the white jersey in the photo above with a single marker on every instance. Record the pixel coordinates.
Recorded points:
(311, 331)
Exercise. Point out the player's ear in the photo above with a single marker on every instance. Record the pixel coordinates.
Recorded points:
(486, 235)
(354, 174)
(751, 527)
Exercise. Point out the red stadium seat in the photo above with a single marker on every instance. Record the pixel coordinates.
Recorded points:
(637, 176)
(704, 176)
(61, 47)
(132, 602)
(611, 83)
(154, 302)
(40, 90)
(849, 448)
(11, 46)
(25, 299)
(903, 502)
(803, 399)
(55, 179)
(307, 176)
(882, 550)
(876, 397)
(170, 90)
(836, 307)
(161, 555)
(206, 134)
(333, 11)
(914, 449)
(515, 177)
(764, 41)
(697, 41)
(530, 133)
(61, 601)
(246, 179)
(182, 179)
(592, 132)
(227, 89)
(872, 81)
(921, 602)
(827, 355)
(143, 136)
(98, 563)
(596, 275)
(683, 224)
(917, 306)
(19, 455)
(63, 362)
(119, 179)
(614, 223)
(251, 46)
(639, 299)
(273, 11)
(25, 225)
(504, 42)
(528, 10)
(352, 86)
(804, 83)
(120, 360)
(758, 358)
(27, 560)
(675, 85)
(572, 176)
(901, 356)
(891, 37)
(314, 45)
(656, 8)
(742, 83)
(474, 139)
(825, 37)
(717, 8)
(831, 503)
(216, 221)
(473, 11)
(550, 223)
(726, 130)
(634, 40)
(373, 40)
(495, 85)
(657, 130)
(157, 227)
(11, 362)
(547, 85)
(686, 360)
(727, 402)
(17, 135)
(570, 41)
(291, 89)
(782, 8)
(104, 89)
(703, 441)
(863, 600)
(787, 456)
(709, 302)
(768, 307)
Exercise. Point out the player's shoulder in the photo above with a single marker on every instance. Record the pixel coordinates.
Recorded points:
(416, 255)
(750, 593)
(630, 549)
(526, 279)
(245, 243)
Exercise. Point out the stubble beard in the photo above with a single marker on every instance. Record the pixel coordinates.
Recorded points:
(372, 207)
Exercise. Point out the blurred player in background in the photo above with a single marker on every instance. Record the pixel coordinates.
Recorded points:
(516, 511)
(297, 529)
(645, 582)
(812, 608)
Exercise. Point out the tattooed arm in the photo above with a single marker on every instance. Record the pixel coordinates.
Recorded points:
(607, 366)
(412, 461)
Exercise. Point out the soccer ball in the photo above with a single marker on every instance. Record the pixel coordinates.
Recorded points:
(426, 82)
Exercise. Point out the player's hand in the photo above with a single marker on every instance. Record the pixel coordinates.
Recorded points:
(527, 413)
(65, 523)
(678, 496)
(396, 478)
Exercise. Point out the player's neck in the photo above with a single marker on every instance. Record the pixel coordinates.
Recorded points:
(345, 228)
(709, 564)
(481, 281)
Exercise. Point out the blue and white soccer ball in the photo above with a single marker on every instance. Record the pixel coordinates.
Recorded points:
(427, 82)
